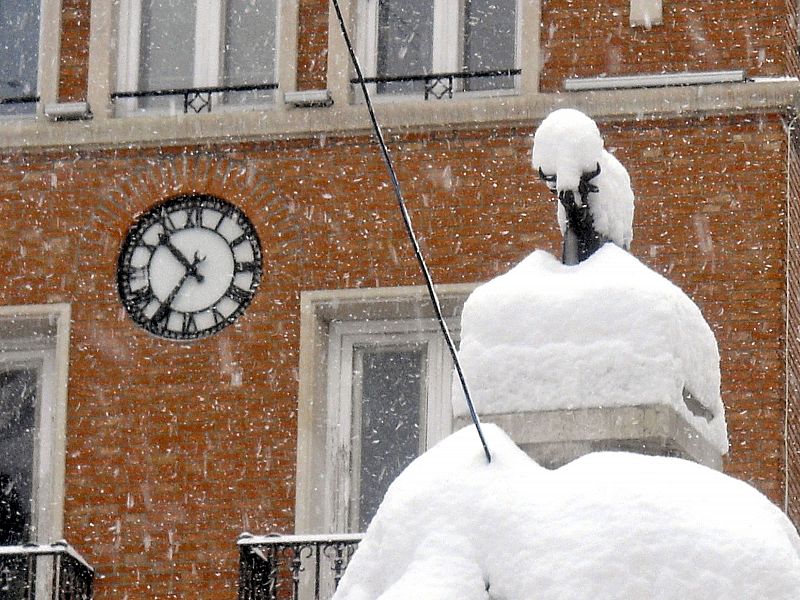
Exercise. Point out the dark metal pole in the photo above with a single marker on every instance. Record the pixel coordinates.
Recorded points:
(407, 220)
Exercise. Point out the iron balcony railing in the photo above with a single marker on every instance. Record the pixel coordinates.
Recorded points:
(44, 572)
(440, 85)
(198, 99)
(293, 567)
(19, 100)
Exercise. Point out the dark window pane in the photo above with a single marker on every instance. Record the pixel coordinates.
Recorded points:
(390, 386)
(17, 432)
(249, 51)
(19, 53)
(405, 43)
(489, 41)
(166, 48)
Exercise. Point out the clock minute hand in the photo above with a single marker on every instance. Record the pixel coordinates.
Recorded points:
(191, 267)
(191, 270)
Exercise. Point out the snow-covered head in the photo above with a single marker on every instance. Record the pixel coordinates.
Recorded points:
(567, 145)
(594, 189)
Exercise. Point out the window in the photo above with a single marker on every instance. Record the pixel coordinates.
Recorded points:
(389, 399)
(375, 386)
(19, 56)
(33, 351)
(461, 43)
(222, 50)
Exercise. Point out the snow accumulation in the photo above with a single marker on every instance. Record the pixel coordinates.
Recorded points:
(568, 144)
(607, 332)
(608, 526)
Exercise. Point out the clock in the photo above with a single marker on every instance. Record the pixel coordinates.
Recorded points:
(189, 267)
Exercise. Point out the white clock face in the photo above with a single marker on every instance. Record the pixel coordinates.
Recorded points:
(189, 267)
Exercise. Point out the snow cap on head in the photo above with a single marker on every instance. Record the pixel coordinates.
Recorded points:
(567, 144)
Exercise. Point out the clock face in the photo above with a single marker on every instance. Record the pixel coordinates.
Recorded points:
(189, 267)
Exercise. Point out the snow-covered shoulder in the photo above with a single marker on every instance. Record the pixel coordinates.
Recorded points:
(606, 526)
(607, 332)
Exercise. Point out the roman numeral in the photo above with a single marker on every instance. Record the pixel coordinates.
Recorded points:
(226, 212)
(248, 266)
(139, 299)
(238, 240)
(218, 316)
(135, 273)
(161, 316)
(189, 324)
(194, 216)
(238, 295)
(165, 221)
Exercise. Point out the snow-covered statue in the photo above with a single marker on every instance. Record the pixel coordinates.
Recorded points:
(595, 200)
(608, 526)
(572, 361)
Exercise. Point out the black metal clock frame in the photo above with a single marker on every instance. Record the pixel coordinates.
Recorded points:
(136, 300)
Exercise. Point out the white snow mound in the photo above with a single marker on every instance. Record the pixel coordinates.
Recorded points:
(568, 144)
(608, 526)
(607, 332)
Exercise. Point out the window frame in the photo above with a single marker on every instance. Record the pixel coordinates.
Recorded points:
(323, 488)
(47, 62)
(207, 63)
(448, 44)
(343, 457)
(38, 335)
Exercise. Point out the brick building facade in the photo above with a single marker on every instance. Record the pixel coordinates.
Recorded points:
(174, 448)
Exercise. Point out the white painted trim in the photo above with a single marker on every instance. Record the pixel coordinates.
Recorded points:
(41, 333)
(103, 51)
(448, 17)
(49, 52)
(286, 48)
(128, 52)
(207, 39)
(757, 97)
(318, 310)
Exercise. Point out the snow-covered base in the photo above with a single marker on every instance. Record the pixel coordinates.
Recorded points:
(605, 333)
(608, 526)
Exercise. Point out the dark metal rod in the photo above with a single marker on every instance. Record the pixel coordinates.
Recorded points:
(432, 76)
(407, 220)
(20, 100)
(196, 90)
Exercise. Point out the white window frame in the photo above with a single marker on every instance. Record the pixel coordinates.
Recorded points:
(48, 61)
(341, 498)
(332, 323)
(207, 53)
(448, 44)
(38, 336)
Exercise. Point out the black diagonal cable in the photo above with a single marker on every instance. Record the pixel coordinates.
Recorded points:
(412, 236)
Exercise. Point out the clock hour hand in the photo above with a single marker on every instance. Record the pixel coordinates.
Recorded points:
(191, 267)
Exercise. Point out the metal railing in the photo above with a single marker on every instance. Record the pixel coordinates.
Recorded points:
(293, 567)
(196, 98)
(20, 100)
(440, 85)
(44, 571)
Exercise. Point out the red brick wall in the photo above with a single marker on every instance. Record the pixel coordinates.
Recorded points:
(312, 45)
(711, 216)
(74, 59)
(173, 449)
(585, 38)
